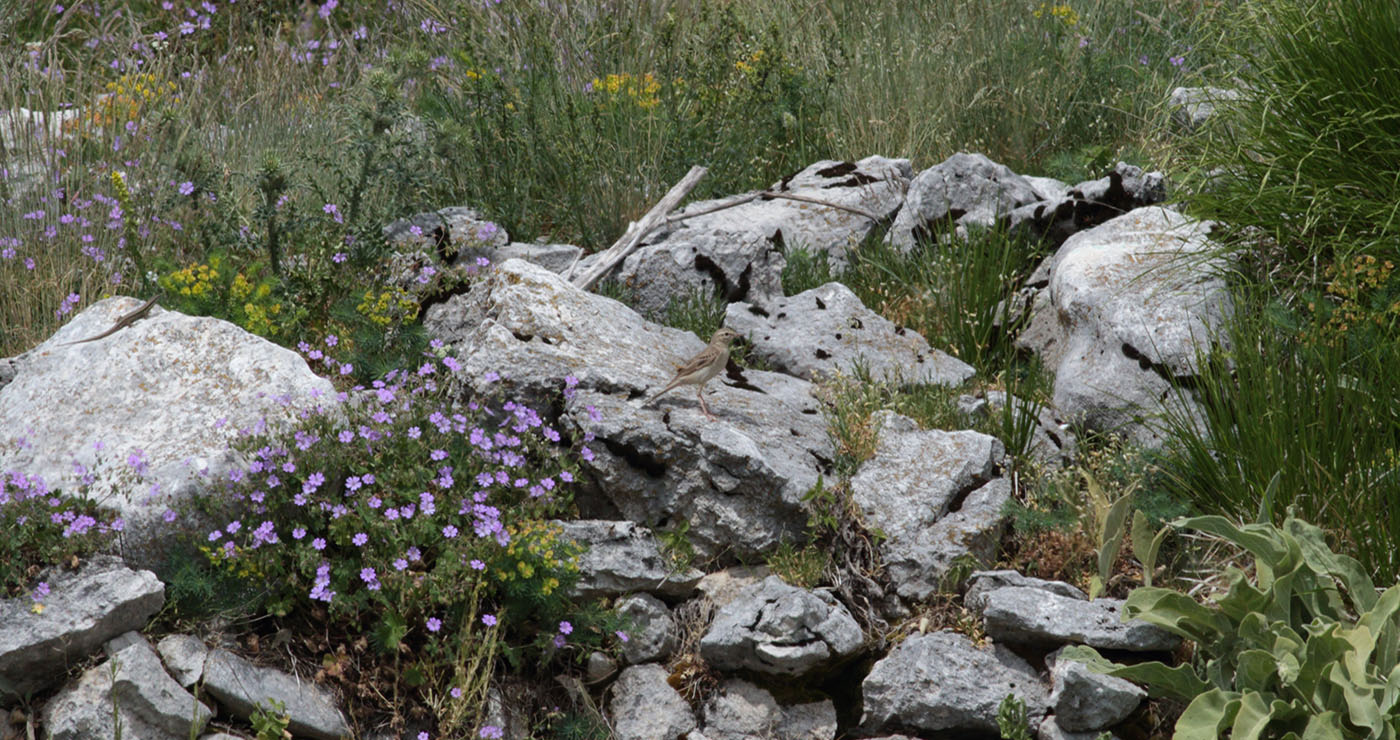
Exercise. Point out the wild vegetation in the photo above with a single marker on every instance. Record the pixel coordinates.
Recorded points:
(242, 158)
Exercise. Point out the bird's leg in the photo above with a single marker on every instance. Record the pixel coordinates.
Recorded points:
(700, 394)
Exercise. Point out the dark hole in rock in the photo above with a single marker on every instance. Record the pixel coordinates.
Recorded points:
(854, 181)
(823, 354)
(756, 311)
(837, 170)
(523, 337)
(634, 457)
(820, 303)
(838, 336)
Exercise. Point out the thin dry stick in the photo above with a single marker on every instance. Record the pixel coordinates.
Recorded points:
(638, 231)
(742, 199)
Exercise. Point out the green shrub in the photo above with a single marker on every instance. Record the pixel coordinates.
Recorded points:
(1300, 645)
(44, 528)
(421, 525)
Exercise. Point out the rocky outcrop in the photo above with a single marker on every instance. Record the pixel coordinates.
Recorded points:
(645, 707)
(737, 483)
(1034, 616)
(622, 557)
(1132, 306)
(242, 687)
(932, 495)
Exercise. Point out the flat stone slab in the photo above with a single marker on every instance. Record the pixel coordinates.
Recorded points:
(827, 329)
(84, 609)
(239, 686)
(1034, 616)
(1085, 700)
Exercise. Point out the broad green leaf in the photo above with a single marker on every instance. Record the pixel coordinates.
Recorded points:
(1256, 671)
(1324, 726)
(1347, 570)
(1176, 682)
(1362, 709)
(1095, 586)
(1207, 716)
(1177, 613)
(1146, 545)
(1259, 714)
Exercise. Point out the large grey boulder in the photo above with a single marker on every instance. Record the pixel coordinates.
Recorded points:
(84, 609)
(908, 490)
(1084, 700)
(741, 710)
(623, 557)
(1192, 107)
(1135, 302)
(241, 686)
(651, 634)
(739, 251)
(645, 707)
(827, 329)
(148, 412)
(738, 482)
(1033, 616)
(134, 686)
(962, 190)
(941, 682)
(777, 629)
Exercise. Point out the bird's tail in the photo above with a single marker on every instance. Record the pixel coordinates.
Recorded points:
(659, 394)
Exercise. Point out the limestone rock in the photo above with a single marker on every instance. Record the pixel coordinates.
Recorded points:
(738, 251)
(170, 391)
(1085, 700)
(779, 629)
(652, 634)
(1135, 301)
(132, 682)
(240, 686)
(965, 189)
(645, 707)
(184, 657)
(741, 710)
(1037, 617)
(623, 557)
(84, 609)
(827, 329)
(983, 582)
(908, 489)
(1192, 107)
(941, 682)
(737, 482)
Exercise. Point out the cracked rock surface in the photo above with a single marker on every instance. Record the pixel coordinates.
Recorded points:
(909, 488)
(827, 329)
(941, 682)
(778, 629)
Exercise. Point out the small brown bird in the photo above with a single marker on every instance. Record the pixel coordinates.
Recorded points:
(698, 370)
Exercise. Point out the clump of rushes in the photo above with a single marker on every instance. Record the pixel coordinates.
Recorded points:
(421, 523)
